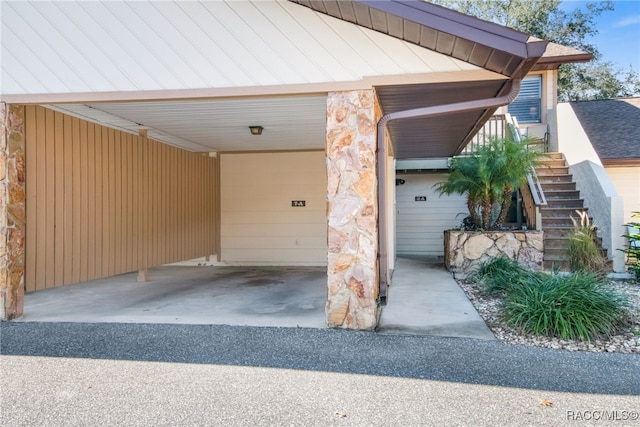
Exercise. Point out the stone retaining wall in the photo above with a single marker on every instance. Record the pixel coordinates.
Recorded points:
(467, 249)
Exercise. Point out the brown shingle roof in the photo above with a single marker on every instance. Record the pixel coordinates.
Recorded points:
(612, 127)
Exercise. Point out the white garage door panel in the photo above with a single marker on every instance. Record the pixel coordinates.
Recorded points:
(420, 224)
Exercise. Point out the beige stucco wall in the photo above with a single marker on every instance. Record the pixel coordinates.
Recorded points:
(258, 224)
(627, 183)
(572, 139)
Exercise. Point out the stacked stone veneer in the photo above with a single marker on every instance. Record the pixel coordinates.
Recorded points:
(352, 210)
(12, 211)
(466, 249)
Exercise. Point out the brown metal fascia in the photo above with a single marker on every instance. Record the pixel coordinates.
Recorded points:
(458, 25)
(431, 111)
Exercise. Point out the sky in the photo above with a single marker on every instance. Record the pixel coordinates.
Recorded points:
(618, 38)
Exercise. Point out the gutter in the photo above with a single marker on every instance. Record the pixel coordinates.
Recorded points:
(435, 110)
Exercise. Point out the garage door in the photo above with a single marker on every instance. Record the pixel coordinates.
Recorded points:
(423, 215)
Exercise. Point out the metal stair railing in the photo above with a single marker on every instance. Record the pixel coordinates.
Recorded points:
(533, 197)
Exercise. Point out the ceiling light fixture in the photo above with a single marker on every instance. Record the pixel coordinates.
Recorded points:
(256, 130)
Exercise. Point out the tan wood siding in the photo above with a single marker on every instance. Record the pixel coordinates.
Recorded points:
(102, 202)
(258, 223)
(420, 225)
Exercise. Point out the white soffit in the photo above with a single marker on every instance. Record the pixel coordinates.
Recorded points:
(54, 47)
(290, 123)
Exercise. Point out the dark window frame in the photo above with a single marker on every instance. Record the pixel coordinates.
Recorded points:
(527, 107)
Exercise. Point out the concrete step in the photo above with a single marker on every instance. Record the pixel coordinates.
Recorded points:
(555, 170)
(554, 155)
(554, 162)
(548, 179)
(558, 226)
(556, 242)
(561, 194)
(552, 212)
(558, 186)
(551, 265)
(565, 203)
(555, 253)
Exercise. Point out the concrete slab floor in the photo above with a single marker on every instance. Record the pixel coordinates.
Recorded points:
(252, 296)
(424, 299)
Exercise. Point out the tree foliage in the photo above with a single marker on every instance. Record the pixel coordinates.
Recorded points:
(488, 177)
(546, 20)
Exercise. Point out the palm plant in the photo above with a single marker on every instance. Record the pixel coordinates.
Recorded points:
(488, 177)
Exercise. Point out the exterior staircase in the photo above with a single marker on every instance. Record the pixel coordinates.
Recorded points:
(563, 199)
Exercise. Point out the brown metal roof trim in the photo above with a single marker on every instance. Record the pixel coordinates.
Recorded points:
(621, 163)
(556, 55)
(481, 43)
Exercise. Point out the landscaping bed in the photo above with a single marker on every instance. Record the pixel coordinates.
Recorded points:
(626, 340)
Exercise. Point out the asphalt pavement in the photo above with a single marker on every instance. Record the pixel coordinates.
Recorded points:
(167, 374)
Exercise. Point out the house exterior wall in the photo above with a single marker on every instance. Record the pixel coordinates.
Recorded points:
(420, 224)
(259, 225)
(548, 102)
(102, 202)
(12, 211)
(627, 183)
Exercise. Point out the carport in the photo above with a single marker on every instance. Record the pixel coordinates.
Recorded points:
(134, 150)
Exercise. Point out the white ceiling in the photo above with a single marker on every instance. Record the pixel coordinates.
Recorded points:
(290, 123)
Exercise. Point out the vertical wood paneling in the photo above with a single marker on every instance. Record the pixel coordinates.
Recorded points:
(75, 206)
(32, 169)
(118, 202)
(91, 201)
(41, 195)
(99, 192)
(59, 165)
(102, 202)
(67, 255)
(111, 230)
(50, 194)
(84, 202)
(128, 216)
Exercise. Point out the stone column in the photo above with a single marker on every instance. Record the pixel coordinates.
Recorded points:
(12, 211)
(352, 210)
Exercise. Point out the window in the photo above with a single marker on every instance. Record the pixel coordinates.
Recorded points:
(527, 107)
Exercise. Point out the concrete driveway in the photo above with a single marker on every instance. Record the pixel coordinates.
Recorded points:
(223, 295)
(423, 300)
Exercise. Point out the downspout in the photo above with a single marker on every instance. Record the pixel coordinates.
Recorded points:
(435, 110)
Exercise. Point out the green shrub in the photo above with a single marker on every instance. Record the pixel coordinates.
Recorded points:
(499, 276)
(571, 306)
(584, 254)
(633, 251)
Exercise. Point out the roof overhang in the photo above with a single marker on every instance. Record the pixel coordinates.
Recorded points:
(504, 51)
(482, 43)
(620, 163)
(496, 55)
(555, 55)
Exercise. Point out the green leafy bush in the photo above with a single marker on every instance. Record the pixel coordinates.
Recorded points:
(584, 254)
(574, 306)
(571, 306)
(498, 276)
(633, 251)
